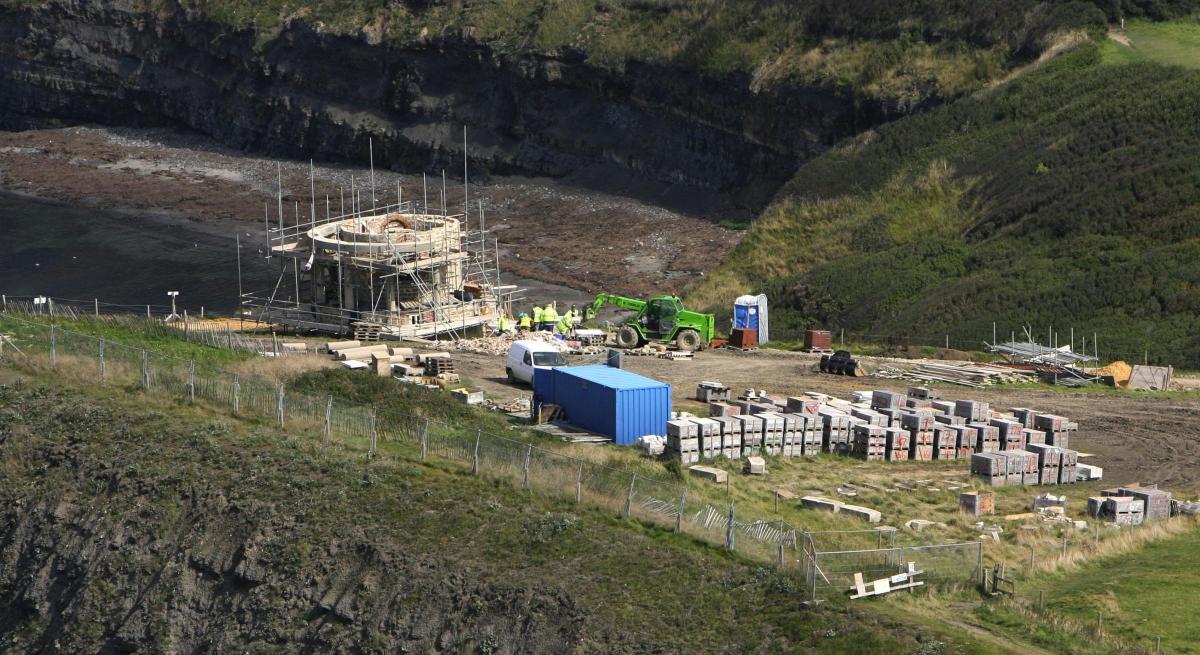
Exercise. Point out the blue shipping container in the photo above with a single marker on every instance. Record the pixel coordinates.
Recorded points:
(610, 401)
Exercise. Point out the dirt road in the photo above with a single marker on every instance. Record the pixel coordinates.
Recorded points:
(1132, 436)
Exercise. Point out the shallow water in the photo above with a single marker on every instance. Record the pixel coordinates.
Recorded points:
(66, 251)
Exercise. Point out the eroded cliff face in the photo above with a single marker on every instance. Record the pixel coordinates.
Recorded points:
(111, 544)
(647, 130)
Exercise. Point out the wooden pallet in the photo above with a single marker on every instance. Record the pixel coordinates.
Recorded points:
(436, 366)
(367, 331)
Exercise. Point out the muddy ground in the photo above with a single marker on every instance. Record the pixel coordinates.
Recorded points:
(1133, 436)
(547, 230)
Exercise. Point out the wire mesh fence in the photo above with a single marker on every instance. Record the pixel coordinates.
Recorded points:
(542, 471)
(831, 573)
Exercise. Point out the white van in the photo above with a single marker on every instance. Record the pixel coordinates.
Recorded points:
(524, 356)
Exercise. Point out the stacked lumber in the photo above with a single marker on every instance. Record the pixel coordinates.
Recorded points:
(969, 375)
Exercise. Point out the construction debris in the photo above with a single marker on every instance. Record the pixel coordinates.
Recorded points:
(1033, 353)
(969, 375)
(977, 503)
(1151, 378)
(708, 392)
(652, 445)
(904, 580)
(841, 363)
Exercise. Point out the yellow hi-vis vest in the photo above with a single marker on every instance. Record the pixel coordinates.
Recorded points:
(525, 323)
(550, 315)
(538, 314)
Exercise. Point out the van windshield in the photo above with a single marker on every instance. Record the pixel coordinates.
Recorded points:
(548, 359)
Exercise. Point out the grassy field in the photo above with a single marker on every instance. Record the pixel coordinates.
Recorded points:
(639, 584)
(951, 622)
(1173, 43)
(135, 331)
(1142, 595)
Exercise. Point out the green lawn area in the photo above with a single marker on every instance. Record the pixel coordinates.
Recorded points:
(1144, 594)
(1176, 43)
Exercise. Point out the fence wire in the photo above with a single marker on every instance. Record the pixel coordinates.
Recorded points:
(828, 560)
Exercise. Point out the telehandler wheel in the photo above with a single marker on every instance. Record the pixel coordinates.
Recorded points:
(628, 337)
(688, 340)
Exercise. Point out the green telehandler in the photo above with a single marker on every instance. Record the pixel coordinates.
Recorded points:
(662, 319)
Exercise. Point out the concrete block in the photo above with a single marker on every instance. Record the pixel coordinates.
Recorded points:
(820, 502)
(865, 513)
(714, 475)
(755, 466)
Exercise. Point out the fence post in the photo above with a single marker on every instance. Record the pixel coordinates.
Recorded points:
(103, 372)
(679, 514)
(579, 484)
(53, 346)
(279, 405)
(780, 545)
(192, 382)
(730, 537)
(528, 454)
(329, 417)
(629, 496)
(229, 337)
(979, 565)
(475, 457)
(185, 325)
(813, 564)
(96, 307)
(236, 386)
(147, 311)
(425, 440)
(145, 369)
(374, 434)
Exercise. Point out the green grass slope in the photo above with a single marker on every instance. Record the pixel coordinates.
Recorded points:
(1175, 43)
(1069, 197)
(412, 549)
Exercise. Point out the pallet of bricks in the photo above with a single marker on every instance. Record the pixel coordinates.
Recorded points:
(870, 442)
(1156, 503)
(1117, 509)
(683, 440)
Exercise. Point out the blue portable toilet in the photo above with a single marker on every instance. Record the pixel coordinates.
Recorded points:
(750, 313)
(609, 401)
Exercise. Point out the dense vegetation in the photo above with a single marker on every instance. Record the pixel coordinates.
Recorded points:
(901, 52)
(1067, 197)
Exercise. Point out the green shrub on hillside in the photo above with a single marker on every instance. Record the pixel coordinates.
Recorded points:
(1071, 197)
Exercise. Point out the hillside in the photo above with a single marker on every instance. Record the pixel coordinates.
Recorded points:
(133, 522)
(707, 104)
(1067, 197)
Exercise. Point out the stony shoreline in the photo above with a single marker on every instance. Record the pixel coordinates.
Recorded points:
(547, 231)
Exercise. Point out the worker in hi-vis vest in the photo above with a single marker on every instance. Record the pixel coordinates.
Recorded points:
(550, 316)
(539, 318)
(524, 322)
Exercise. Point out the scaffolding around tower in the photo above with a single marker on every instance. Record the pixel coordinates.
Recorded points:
(398, 270)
